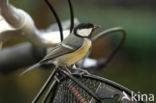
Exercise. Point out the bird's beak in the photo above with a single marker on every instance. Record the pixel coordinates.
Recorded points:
(97, 26)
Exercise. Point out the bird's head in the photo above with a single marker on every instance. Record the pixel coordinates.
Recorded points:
(85, 30)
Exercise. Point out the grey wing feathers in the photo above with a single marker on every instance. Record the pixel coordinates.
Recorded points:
(59, 51)
(71, 45)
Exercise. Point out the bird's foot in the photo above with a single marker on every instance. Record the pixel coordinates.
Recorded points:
(82, 71)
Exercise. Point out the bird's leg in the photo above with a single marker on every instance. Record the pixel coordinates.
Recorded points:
(82, 71)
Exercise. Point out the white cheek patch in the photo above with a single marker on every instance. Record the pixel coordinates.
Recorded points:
(84, 32)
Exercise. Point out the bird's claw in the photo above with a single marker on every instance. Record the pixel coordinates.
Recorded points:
(84, 72)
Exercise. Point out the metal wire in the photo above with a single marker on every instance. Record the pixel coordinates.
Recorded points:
(107, 32)
(70, 92)
(57, 18)
(71, 16)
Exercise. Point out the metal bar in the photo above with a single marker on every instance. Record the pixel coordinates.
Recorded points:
(109, 82)
(49, 91)
(71, 16)
(57, 18)
(107, 32)
(44, 86)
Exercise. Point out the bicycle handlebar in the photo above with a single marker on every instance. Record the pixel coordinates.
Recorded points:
(18, 56)
(20, 23)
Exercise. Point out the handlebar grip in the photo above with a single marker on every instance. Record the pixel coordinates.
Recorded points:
(20, 55)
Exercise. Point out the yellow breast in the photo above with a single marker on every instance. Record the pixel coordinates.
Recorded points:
(74, 57)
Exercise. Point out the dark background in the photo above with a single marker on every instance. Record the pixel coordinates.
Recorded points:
(135, 64)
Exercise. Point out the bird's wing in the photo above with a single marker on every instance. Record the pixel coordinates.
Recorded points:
(61, 49)
(69, 45)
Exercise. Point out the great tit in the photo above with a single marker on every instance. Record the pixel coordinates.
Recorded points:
(70, 50)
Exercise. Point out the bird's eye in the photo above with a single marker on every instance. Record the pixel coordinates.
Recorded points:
(84, 32)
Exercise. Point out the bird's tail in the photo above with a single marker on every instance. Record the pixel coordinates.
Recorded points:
(31, 68)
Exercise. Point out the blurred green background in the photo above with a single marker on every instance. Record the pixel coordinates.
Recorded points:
(135, 64)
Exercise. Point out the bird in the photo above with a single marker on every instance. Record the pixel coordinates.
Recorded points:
(70, 50)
